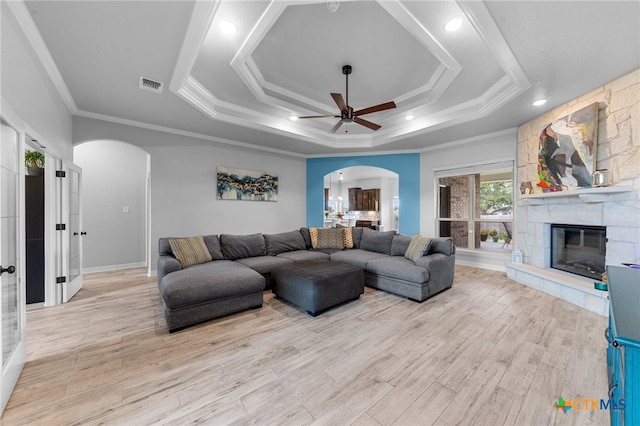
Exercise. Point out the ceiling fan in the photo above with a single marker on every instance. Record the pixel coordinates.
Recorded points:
(347, 114)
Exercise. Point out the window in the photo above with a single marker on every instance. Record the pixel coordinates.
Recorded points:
(476, 209)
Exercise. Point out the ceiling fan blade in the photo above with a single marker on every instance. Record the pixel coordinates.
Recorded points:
(376, 108)
(318, 116)
(337, 97)
(336, 127)
(365, 123)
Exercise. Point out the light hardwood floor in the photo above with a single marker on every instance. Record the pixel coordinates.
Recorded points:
(488, 351)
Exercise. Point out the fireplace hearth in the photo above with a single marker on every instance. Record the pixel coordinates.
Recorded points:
(579, 249)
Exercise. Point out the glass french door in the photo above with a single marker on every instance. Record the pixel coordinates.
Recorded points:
(70, 237)
(12, 306)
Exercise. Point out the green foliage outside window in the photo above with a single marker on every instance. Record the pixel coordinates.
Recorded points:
(496, 197)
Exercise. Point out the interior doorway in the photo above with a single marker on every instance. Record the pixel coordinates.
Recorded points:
(115, 204)
(34, 222)
(364, 193)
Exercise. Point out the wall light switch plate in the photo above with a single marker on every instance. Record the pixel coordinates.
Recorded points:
(125, 209)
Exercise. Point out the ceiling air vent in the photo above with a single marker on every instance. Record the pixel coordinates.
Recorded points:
(150, 85)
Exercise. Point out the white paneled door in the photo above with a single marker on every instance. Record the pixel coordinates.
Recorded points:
(12, 306)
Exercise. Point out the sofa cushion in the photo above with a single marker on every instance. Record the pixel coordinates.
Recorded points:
(283, 242)
(399, 268)
(209, 281)
(213, 244)
(305, 235)
(263, 264)
(400, 244)
(190, 251)
(241, 246)
(356, 257)
(377, 241)
(418, 247)
(356, 233)
(300, 255)
(327, 238)
(442, 245)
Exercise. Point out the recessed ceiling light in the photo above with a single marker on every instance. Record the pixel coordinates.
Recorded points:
(408, 117)
(293, 118)
(227, 27)
(453, 25)
(539, 102)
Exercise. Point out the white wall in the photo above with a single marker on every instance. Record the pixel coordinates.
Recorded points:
(494, 147)
(183, 183)
(30, 92)
(113, 180)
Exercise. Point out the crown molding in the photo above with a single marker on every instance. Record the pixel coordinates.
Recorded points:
(186, 133)
(445, 145)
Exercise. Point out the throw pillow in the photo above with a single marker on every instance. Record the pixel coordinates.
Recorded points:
(313, 234)
(190, 251)
(327, 238)
(331, 238)
(418, 246)
(348, 238)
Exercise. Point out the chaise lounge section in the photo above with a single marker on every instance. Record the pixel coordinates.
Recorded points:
(231, 272)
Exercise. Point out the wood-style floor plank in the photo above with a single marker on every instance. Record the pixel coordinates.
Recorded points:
(487, 352)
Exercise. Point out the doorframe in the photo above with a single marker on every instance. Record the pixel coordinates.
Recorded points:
(52, 295)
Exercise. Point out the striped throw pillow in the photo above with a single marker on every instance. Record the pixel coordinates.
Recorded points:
(418, 246)
(190, 251)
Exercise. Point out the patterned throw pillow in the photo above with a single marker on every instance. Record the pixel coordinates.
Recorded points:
(327, 238)
(313, 233)
(418, 246)
(330, 238)
(348, 238)
(190, 251)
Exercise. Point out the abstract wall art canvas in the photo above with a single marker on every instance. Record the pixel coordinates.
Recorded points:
(241, 184)
(567, 151)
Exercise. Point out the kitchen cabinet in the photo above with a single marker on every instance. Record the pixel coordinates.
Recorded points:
(364, 199)
(353, 198)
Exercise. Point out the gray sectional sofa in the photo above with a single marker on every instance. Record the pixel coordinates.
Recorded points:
(241, 265)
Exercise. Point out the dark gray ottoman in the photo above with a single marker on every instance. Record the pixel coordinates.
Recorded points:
(317, 285)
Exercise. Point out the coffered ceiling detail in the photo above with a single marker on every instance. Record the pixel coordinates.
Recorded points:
(286, 58)
(289, 58)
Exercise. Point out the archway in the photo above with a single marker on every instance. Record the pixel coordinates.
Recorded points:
(363, 193)
(115, 204)
(406, 166)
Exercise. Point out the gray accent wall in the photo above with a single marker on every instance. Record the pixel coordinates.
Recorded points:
(183, 183)
(113, 195)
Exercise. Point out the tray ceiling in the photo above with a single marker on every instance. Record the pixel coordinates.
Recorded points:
(286, 58)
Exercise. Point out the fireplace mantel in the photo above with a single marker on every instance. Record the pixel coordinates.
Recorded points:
(587, 195)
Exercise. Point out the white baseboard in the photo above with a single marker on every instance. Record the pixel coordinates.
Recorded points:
(109, 268)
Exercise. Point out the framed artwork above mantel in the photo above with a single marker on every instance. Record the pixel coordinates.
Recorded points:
(567, 150)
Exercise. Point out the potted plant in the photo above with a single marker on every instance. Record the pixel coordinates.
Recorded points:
(34, 161)
(484, 233)
(505, 237)
(494, 235)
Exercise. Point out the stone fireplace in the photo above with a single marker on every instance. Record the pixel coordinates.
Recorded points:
(616, 207)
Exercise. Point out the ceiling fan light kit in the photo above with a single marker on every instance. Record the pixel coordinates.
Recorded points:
(347, 114)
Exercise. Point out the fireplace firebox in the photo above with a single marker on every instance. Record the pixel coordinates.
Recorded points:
(579, 249)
